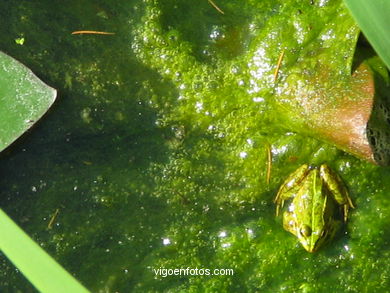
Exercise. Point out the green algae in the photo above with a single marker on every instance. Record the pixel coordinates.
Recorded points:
(156, 153)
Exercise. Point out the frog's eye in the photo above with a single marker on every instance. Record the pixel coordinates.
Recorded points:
(305, 231)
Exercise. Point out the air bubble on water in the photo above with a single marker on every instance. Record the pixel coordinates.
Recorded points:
(199, 106)
(252, 27)
(258, 99)
(280, 150)
(299, 32)
(235, 69)
(328, 35)
(250, 232)
(322, 3)
(260, 63)
(215, 33)
(222, 234)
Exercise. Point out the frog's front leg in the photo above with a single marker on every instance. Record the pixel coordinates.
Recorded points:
(289, 223)
(290, 185)
(337, 188)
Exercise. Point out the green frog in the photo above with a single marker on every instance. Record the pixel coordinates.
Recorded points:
(312, 213)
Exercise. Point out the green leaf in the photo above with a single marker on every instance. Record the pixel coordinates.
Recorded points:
(36, 265)
(373, 20)
(24, 98)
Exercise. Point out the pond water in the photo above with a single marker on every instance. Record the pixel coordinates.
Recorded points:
(155, 155)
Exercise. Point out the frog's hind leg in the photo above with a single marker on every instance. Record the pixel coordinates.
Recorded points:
(287, 189)
(337, 188)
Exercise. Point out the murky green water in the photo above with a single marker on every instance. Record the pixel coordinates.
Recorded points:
(155, 153)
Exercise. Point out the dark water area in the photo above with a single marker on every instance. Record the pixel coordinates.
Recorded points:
(155, 153)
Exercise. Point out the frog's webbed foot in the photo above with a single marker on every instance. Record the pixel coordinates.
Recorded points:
(278, 206)
(350, 204)
(346, 209)
(279, 201)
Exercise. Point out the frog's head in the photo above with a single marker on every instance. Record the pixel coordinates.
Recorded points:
(310, 239)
